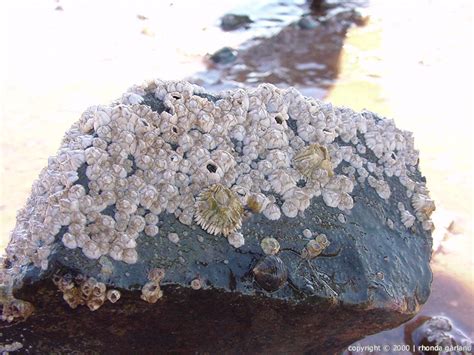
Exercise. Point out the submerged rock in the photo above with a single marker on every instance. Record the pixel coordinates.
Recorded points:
(307, 23)
(438, 335)
(231, 22)
(224, 55)
(147, 231)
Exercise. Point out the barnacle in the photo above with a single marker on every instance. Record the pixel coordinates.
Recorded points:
(315, 247)
(257, 202)
(219, 210)
(423, 204)
(16, 309)
(151, 292)
(407, 218)
(113, 295)
(270, 273)
(313, 157)
(84, 291)
(236, 239)
(196, 284)
(270, 246)
(156, 274)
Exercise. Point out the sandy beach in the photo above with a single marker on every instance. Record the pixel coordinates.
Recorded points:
(411, 62)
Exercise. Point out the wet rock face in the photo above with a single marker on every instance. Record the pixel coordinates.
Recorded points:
(258, 220)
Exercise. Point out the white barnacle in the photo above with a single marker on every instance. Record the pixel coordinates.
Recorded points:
(381, 187)
(131, 98)
(423, 204)
(91, 250)
(196, 284)
(331, 198)
(289, 208)
(151, 219)
(272, 212)
(345, 202)
(275, 138)
(173, 238)
(137, 223)
(265, 167)
(69, 241)
(407, 218)
(281, 181)
(278, 158)
(341, 218)
(113, 295)
(236, 239)
(151, 292)
(151, 230)
(270, 246)
(130, 256)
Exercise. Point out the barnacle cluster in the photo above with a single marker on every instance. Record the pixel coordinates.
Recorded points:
(80, 290)
(315, 247)
(15, 309)
(207, 160)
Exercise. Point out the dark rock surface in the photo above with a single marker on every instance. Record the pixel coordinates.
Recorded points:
(370, 278)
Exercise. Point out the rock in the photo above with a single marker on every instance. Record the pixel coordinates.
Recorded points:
(90, 266)
(438, 335)
(307, 23)
(231, 22)
(280, 59)
(317, 5)
(224, 55)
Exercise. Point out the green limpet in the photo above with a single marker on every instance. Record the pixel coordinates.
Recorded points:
(219, 210)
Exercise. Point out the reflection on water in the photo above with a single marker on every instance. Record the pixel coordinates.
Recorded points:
(411, 61)
(304, 57)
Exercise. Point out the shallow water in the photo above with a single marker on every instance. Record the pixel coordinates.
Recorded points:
(412, 61)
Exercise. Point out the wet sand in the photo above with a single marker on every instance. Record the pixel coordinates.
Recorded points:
(414, 64)
(411, 62)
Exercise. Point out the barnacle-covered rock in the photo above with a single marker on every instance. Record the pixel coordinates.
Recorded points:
(149, 184)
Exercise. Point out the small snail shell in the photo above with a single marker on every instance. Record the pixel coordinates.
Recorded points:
(270, 273)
